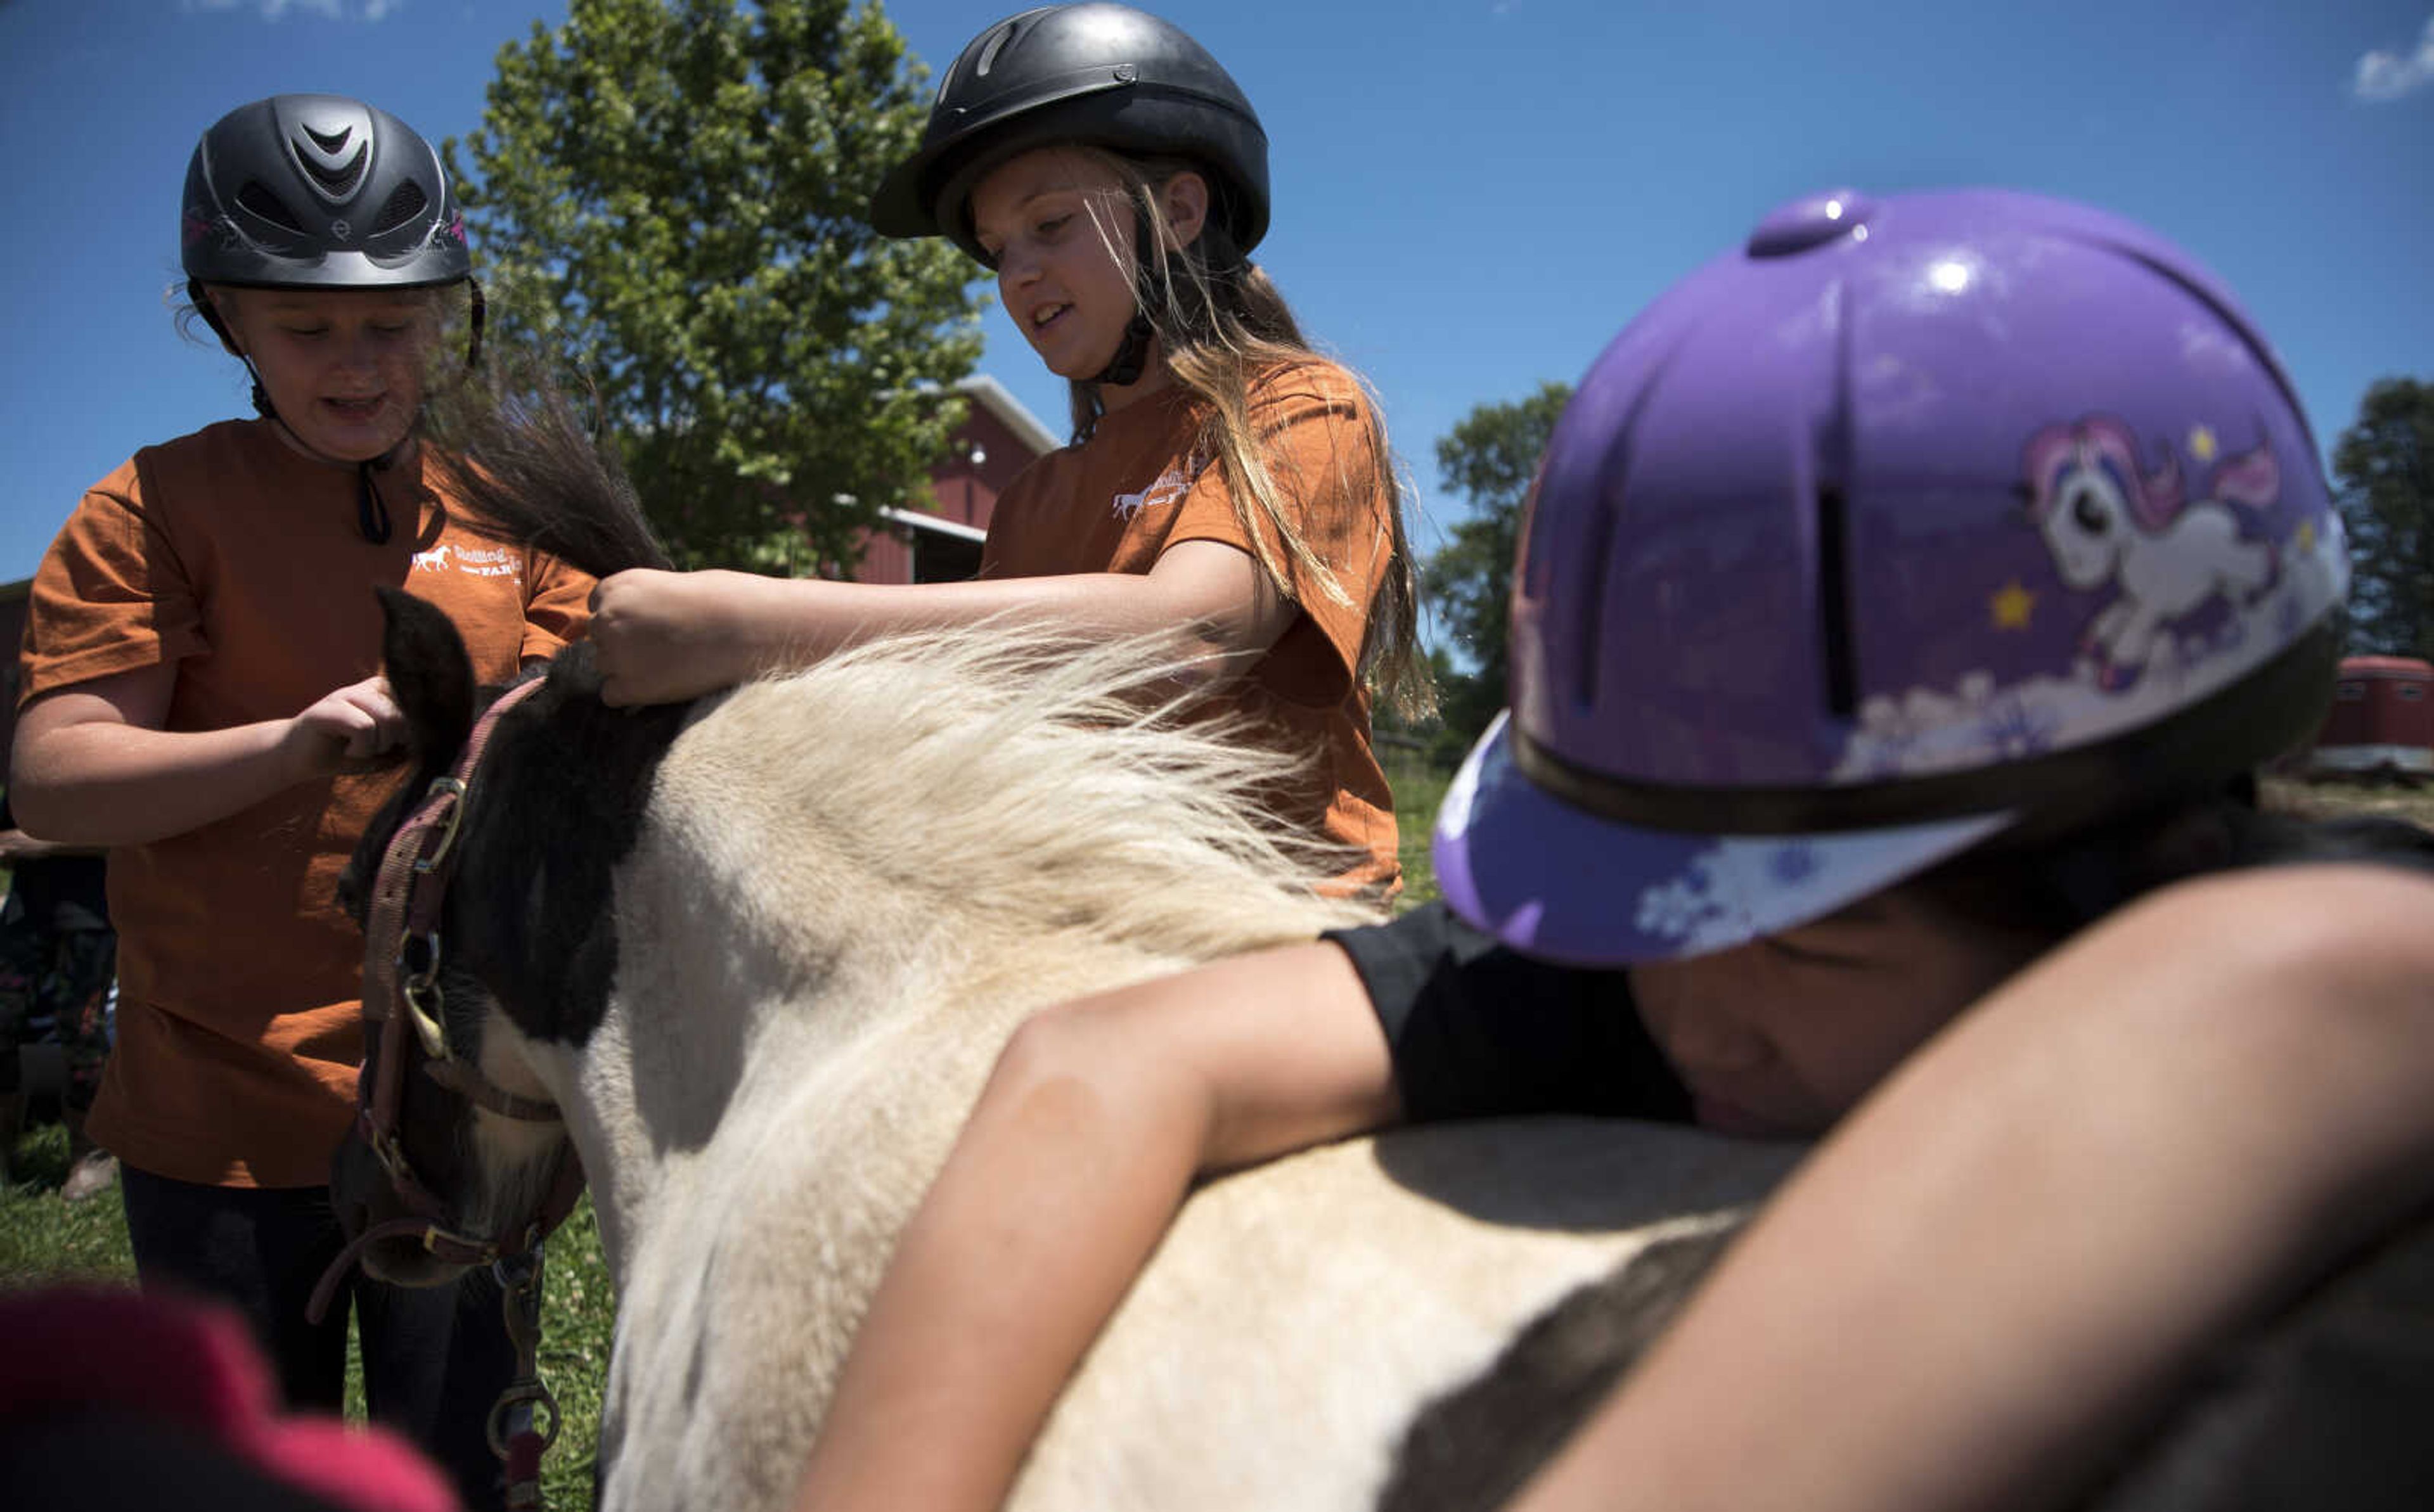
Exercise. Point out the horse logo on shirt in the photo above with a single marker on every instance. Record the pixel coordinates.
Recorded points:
(470, 561)
(1172, 485)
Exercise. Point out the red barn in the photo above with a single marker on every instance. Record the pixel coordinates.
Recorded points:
(999, 439)
(2382, 718)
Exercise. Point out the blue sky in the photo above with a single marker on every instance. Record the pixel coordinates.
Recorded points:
(1471, 197)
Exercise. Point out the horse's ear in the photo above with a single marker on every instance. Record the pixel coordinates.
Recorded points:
(430, 676)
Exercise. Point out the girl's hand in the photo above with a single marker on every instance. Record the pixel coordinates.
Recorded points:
(356, 728)
(663, 638)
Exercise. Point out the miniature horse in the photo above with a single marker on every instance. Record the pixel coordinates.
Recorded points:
(763, 954)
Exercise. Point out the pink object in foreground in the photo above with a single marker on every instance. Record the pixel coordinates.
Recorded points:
(191, 1366)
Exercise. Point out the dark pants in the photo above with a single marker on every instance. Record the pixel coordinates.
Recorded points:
(434, 1359)
(64, 973)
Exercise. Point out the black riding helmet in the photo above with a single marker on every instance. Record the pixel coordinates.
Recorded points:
(322, 192)
(1096, 72)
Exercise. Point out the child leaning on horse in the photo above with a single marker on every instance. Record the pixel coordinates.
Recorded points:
(1814, 811)
(1223, 479)
(201, 696)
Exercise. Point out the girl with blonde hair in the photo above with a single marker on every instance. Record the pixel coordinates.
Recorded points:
(1224, 480)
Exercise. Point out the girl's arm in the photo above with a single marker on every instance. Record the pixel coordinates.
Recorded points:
(1094, 1125)
(1993, 1272)
(92, 765)
(16, 846)
(666, 636)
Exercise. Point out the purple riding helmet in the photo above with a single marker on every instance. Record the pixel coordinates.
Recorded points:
(1912, 524)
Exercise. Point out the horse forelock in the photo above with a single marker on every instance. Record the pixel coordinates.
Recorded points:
(551, 814)
(1010, 784)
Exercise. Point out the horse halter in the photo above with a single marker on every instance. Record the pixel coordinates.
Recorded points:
(402, 988)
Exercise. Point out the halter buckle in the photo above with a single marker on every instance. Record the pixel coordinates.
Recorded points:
(420, 986)
(453, 789)
(390, 1152)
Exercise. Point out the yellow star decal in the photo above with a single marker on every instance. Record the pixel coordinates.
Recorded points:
(2201, 443)
(2011, 606)
(2305, 535)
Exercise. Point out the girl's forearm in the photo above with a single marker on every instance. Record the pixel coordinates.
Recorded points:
(820, 616)
(1999, 1266)
(1069, 1171)
(110, 784)
(664, 637)
(1051, 1202)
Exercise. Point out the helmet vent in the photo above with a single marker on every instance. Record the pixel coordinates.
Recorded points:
(402, 207)
(256, 198)
(988, 54)
(335, 180)
(1834, 603)
(1588, 632)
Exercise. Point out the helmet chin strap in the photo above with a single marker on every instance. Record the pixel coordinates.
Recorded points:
(1124, 369)
(1132, 354)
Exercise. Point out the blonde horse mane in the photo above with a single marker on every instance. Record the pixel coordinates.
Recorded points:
(1024, 786)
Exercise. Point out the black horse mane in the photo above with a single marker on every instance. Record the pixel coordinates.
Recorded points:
(535, 470)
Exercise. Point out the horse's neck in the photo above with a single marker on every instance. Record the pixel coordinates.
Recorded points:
(794, 1134)
(745, 1260)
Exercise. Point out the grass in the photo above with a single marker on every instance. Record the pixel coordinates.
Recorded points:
(41, 1239)
(1418, 789)
(44, 1238)
(2325, 800)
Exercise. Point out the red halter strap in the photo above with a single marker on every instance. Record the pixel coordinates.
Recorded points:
(402, 988)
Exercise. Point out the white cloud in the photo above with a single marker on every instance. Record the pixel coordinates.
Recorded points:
(365, 11)
(2383, 76)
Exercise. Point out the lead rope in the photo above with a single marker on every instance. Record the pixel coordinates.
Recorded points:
(512, 1435)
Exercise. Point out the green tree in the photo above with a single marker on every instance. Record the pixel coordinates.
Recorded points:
(670, 193)
(1489, 459)
(2383, 467)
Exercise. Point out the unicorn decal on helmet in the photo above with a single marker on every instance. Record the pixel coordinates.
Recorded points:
(2107, 521)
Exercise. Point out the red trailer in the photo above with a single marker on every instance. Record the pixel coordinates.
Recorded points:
(2382, 719)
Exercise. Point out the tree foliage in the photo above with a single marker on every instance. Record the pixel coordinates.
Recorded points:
(2383, 467)
(1489, 459)
(672, 193)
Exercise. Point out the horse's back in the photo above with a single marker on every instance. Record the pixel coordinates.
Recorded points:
(1299, 1314)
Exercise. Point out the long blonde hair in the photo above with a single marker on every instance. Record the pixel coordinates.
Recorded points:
(1222, 326)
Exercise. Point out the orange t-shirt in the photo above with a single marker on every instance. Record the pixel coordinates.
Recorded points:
(234, 558)
(1136, 487)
